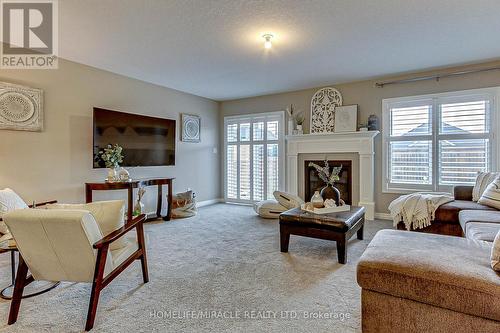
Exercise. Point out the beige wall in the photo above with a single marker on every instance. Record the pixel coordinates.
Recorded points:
(369, 98)
(55, 163)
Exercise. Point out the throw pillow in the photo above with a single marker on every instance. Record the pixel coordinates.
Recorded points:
(495, 253)
(269, 209)
(491, 196)
(109, 216)
(288, 200)
(9, 201)
(483, 179)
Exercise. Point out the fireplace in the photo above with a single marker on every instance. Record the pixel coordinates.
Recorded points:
(314, 183)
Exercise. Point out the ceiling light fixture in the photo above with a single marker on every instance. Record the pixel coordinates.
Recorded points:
(268, 44)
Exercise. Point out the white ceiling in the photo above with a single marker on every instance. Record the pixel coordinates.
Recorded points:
(213, 48)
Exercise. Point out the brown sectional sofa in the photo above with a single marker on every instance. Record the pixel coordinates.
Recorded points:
(417, 282)
(447, 217)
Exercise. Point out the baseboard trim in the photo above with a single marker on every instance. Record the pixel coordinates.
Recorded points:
(383, 216)
(209, 202)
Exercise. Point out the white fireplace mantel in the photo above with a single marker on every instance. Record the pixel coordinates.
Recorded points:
(350, 142)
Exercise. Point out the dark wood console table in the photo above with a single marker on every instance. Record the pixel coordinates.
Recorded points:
(129, 186)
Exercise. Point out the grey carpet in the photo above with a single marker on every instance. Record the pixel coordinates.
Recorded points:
(225, 260)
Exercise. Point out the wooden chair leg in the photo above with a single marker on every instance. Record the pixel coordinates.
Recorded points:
(142, 246)
(21, 282)
(96, 286)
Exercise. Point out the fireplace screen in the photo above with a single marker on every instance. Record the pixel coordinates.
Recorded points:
(314, 183)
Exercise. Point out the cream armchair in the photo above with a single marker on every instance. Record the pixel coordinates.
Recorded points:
(67, 245)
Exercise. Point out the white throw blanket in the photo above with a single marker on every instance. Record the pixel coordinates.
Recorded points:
(417, 210)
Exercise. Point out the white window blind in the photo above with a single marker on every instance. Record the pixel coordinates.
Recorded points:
(434, 142)
(254, 158)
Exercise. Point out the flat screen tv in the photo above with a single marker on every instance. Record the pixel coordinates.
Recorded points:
(146, 141)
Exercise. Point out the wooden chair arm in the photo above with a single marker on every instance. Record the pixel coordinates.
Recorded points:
(120, 232)
(43, 203)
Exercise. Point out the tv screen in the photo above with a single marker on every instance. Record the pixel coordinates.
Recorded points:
(146, 141)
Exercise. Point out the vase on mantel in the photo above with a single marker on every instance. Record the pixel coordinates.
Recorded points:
(331, 192)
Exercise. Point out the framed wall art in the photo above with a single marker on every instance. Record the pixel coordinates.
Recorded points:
(191, 125)
(21, 108)
(346, 118)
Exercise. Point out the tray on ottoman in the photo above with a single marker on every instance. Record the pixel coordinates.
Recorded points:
(338, 226)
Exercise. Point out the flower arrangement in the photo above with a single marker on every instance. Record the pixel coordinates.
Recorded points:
(111, 155)
(324, 172)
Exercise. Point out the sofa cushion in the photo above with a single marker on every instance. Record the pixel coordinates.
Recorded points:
(466, 217)
(491, 196)
(483, 179)
(444, 271)
(495, 253)
(482, 231)
(448, 213)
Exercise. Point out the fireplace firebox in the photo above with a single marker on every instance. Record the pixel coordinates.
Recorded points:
(314, 183)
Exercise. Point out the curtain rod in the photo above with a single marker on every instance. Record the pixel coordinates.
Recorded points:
(436, 77)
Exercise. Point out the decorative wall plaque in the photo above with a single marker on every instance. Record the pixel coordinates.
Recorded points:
(21, 108)
(346, 118)
(190, 128)
(323, 105)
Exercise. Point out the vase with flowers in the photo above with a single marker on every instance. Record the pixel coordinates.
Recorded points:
(112, 157)
(329, 177)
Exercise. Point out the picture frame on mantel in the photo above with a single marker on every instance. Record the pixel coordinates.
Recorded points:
(191, 127)
(346, 118)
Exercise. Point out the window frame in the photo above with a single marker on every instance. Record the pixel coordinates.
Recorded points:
(280, 116)
(491, 94)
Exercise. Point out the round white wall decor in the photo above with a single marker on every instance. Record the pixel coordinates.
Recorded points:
(323, 105)
(20, 108)
(190, 128)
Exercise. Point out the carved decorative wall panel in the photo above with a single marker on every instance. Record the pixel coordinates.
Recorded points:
(323, 105)
(21, 108)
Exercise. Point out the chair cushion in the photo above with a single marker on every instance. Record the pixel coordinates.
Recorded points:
(9, 201)
(491, 196)
(495, 253)
(483, 179)
(56, 244)
(449, 272)
(108, 214)
(269, 209)
(448, 213)
(288, 200)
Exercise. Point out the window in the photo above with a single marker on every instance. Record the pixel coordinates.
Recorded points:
(254, 161)
(433, 142)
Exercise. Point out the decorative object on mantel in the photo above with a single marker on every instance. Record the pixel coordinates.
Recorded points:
(190, 128)
(124, 175)
(329, 191)
(323, 105)
(291, 126)
(363, 127)
(373, 123)
(346, 118)
(139, 205)
(299, 120)
(112, 157)
(21, 108)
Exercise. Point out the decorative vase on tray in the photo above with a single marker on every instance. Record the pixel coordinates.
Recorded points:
(112, 157)
(329, 177)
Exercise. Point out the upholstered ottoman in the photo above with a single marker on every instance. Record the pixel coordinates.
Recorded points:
(416, 282)
(333, 226)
